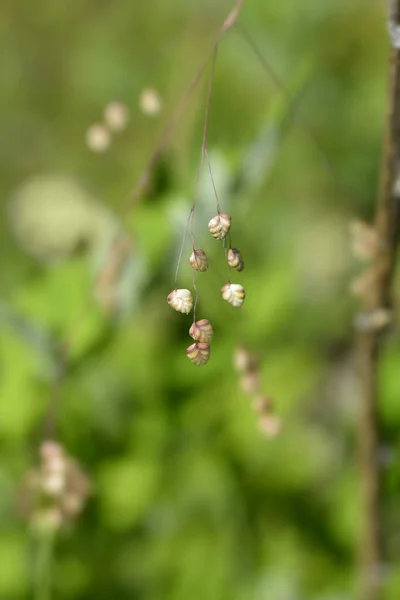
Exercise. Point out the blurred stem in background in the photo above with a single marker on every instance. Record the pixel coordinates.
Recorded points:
(377, 298)
(43, 565)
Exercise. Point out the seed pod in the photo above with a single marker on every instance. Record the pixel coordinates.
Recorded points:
(198, 259)
(181, 300)
(202, 331)
(233, 293)
(198, 353)
(235, 259)
(220, 225)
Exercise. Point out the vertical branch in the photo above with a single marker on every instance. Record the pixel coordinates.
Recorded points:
(43, 566)
(377, 297)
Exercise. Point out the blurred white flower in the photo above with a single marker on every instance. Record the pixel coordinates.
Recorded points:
(270, 425)
(53, 215)
(150, 102)
(116, 116)
(97, 138)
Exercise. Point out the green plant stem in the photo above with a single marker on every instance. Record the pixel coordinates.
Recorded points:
(43, 566)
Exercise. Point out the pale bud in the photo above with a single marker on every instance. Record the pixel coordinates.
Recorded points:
(373, 321)
(198, 259)
(53, 484)
(198, 353)
(250, 382)
(116, 116)
(243, 360)
(202, 331)
(150, 102)
(270, 425)
(181, 300)
(220, 225)
(235, 259)
(365, 240)
(234, 294)
(97, 138)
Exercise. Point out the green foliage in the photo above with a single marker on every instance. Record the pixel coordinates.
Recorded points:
(190, 500)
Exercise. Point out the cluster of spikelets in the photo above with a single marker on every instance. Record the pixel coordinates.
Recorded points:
(54, 493)
(182, 299)
(248, 368)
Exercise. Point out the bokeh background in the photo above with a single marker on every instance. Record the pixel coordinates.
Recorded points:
(190, 498)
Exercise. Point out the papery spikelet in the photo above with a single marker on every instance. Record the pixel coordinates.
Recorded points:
(220, 225)
(234, 294)
(181, 300)
(235, 259)
(202, 331)
(198, 353)
(198, 259)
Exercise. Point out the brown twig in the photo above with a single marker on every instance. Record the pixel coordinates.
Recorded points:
(377, 297)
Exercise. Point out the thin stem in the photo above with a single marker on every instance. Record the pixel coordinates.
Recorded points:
(182, 246)
(212, 180)
(205, 129)
(43, 566)
(372, 550)
(226, 249)
(144, 180)
(51, 417)
(196, 298)
(190, 220)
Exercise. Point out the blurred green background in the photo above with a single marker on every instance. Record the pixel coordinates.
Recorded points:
(190, 499)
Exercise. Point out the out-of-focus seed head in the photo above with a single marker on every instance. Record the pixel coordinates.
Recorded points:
(250, 382)
(198, 259)
(198, 353)
(181, 300)
(235, 259)
(202, 331)
(150, 102)
(244, 361)
(116, 116)
(263, 405)
(374, 320)
(361, 285)
(270, 425)
(97, 138)
(55, 492)
(364, 240)
(234, 294)
(220, 225)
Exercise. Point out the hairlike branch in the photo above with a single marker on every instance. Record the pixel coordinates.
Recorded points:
(144, 180)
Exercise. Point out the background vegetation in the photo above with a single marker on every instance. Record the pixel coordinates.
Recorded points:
(190, 499)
